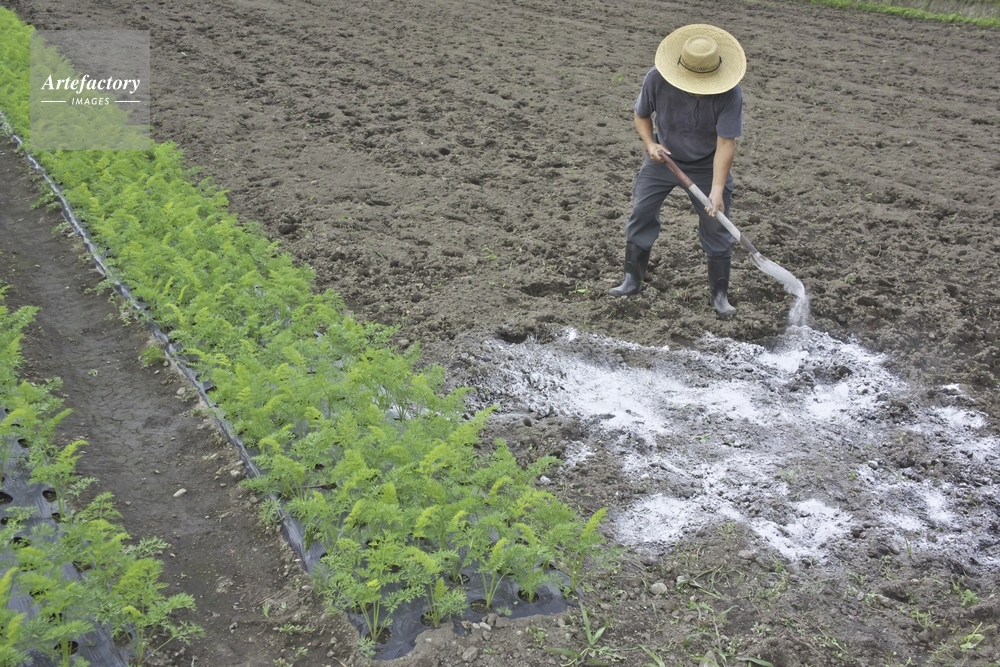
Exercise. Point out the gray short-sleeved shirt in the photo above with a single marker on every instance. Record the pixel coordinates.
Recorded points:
(689, 126)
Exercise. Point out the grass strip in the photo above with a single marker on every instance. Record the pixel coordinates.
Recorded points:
(43, 611)
(991, 21)
(372, 456)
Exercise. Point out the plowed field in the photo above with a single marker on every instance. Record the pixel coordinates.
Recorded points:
(464, 169)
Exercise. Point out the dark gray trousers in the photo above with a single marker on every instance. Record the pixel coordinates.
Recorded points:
(653, 184)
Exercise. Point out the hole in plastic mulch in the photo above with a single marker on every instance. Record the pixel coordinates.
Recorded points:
(383, 636)
(19, 542)
(523, 595)
(74, 648)
(6, 498)
(49, 495)
(479, 606)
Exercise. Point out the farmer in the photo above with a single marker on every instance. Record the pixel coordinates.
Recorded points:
(691, 108)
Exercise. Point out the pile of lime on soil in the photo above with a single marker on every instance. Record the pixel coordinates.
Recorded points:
(810, 479)
(811, 442)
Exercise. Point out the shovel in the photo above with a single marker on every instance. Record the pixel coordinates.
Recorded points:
(792, 284)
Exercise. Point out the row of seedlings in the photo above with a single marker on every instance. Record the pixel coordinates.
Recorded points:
(73, 588)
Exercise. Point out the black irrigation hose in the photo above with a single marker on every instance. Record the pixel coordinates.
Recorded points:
(292, 530)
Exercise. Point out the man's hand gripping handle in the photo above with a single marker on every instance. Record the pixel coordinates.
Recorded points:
(700, 196)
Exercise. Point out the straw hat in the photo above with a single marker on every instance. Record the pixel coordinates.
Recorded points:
(701, 59)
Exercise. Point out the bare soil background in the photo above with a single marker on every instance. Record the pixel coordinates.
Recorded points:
(465, 168)
(457, 166)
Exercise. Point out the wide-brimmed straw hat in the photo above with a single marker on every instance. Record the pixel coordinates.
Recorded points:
(701, 59)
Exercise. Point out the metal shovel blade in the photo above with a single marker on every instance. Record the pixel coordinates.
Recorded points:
(799, 314)
(792, 284)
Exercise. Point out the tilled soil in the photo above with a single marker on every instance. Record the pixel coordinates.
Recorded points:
(464, 169)
(467, 166)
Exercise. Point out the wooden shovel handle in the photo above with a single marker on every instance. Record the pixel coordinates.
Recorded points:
(677, 170)
(719, 215)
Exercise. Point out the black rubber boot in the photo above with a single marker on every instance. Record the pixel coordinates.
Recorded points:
(636, 263)
(718, 285)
